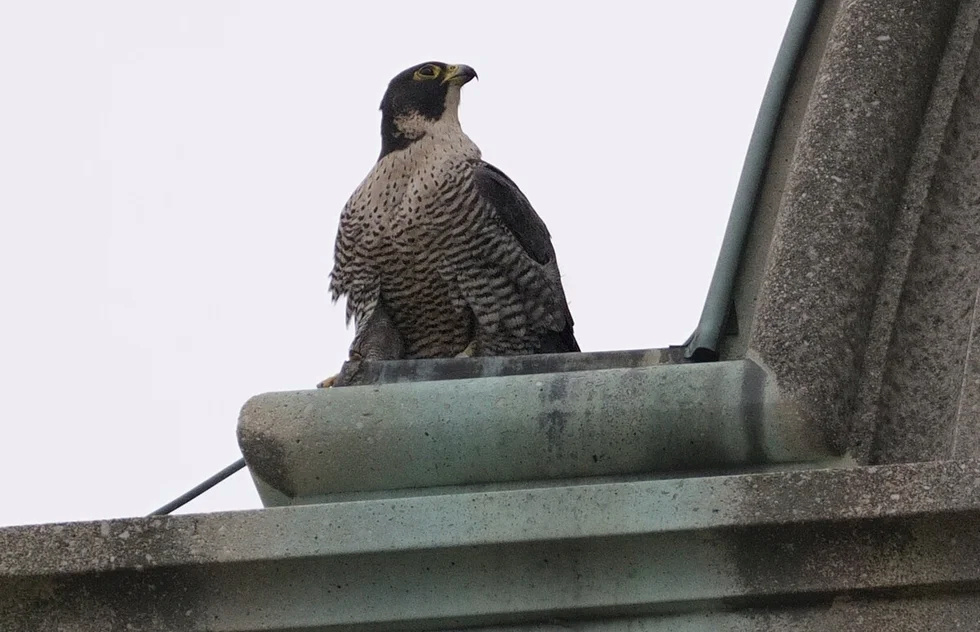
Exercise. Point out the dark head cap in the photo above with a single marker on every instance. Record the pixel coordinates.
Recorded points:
(424, 91)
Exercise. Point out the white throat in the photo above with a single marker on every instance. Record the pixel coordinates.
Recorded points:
(414, 125)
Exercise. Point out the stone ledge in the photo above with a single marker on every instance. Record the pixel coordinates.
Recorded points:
(368, 372)
(310, 446)
(936, 613)
(681, 547)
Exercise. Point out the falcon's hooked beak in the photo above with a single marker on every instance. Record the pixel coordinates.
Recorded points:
(458, 75)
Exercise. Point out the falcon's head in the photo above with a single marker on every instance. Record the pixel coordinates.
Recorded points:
(418, 99)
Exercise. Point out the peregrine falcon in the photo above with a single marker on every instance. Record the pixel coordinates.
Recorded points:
(438, 253)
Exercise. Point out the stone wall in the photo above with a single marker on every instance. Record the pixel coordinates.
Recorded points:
(867, 304)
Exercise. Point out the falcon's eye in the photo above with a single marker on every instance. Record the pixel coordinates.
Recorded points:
(427, 72)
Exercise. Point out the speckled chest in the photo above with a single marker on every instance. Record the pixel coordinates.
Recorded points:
(409, 201)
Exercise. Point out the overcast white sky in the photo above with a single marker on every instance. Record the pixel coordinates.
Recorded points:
(171, 174)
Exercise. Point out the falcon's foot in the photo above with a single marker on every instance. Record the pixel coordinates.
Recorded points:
(332, 380)
(469, 352)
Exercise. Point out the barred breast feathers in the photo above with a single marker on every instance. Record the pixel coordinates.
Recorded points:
(400, 184)
(440, 248)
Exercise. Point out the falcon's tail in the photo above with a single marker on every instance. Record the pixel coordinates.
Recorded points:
(559, 342)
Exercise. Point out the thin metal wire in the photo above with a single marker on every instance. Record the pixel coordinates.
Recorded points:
(191, 494)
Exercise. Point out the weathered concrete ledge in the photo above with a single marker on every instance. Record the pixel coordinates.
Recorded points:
(364, 372)
(679, 553)
(304, 446)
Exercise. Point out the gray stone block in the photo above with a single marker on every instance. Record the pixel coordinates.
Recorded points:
(668, 554)
(864, 306)
(924, 379)
(312, 445)
(842, 194)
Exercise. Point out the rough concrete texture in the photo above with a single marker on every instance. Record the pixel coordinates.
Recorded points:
(692, 417)
(942, 613)
(951, 79)
(762, 550)
(820, 306)
(924, 374)
(99, 575)
(752, 262)
(966, 438)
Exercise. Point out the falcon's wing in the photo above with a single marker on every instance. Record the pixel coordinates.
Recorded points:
(515, 212)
